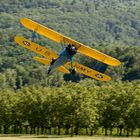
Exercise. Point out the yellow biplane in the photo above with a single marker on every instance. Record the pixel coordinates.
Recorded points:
(63, 62)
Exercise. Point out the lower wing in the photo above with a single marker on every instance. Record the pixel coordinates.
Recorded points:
(79, 68)
(35, 47)
(88, 72)
(47, 62)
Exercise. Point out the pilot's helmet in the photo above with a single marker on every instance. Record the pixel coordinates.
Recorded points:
(73, 50)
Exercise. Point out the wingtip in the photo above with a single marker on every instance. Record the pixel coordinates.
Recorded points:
(113, 62)
(16, 38)
(22, 20)
(107, 79)
(117, 63)
(35, 57)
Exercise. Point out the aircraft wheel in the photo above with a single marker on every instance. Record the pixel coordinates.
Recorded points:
(73, 71)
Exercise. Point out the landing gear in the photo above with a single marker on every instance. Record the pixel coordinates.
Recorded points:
(52, 62)
(73, 71)
(49, 70)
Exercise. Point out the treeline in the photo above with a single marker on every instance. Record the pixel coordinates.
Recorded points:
(72, 109)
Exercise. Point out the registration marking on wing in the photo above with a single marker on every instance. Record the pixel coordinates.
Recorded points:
(35, 47)
(89, 72)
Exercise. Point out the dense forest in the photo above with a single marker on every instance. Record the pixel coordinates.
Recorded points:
(110, 26)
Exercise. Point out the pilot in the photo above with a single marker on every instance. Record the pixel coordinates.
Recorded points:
(69, 51)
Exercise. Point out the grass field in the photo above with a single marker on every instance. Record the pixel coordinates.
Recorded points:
(65, 138)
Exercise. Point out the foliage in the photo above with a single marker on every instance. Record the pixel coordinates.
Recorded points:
(71, 107)
(31, 100)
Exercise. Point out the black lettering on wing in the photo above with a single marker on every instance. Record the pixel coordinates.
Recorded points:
(76, 66)
(38, 49)
(88, 71)
(82, 68)
(47, 53)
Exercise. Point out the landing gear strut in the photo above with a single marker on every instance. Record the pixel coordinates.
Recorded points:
(73, 71)
(52, 62)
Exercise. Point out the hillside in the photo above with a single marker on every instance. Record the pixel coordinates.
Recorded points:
(110, 26)
(89, 21)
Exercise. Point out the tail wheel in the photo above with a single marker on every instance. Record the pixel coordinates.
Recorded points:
(73, 71)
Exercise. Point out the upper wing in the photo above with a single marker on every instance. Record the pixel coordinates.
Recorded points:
(47, 62)
(35, 47)
(89, 72)
(55, 36)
